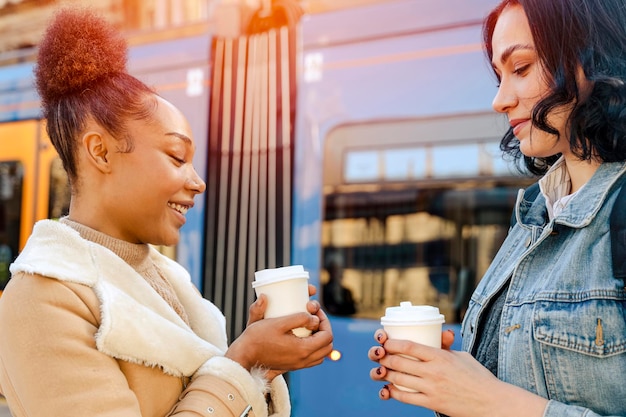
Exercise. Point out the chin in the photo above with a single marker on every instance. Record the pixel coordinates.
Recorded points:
(170, 242)
(166, 240)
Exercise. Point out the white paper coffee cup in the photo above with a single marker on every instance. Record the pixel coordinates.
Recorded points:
(420, 324)
(287, 292)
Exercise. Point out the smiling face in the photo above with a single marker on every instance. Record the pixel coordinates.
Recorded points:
(523, 82)
(146, 192)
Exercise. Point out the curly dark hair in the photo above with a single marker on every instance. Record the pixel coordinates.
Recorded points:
(569, 34)
(81, 73)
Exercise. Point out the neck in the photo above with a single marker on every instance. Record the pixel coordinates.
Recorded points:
(580, 171)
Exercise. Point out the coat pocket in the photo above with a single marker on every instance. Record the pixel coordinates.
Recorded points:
(582, 348)
(594, 327)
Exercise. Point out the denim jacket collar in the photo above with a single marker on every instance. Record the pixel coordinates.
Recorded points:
(583, 207)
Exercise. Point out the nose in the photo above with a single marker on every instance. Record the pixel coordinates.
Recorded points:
(195, 183)
(504, 98)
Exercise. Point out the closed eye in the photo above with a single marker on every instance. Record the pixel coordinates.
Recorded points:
(521, 70)
(179, 161)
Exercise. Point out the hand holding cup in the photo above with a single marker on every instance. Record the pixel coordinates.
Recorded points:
(420, 324)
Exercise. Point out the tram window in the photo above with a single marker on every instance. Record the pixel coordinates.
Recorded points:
(59, 195)
(414, 210)
(11, 180)
(428, 246)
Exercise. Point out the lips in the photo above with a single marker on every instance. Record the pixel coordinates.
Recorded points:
(518, 125)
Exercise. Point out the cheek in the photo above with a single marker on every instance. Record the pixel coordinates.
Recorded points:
(534, 89)
(559, 119)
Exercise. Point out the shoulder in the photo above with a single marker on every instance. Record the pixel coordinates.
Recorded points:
(34, 307)
(57, 251)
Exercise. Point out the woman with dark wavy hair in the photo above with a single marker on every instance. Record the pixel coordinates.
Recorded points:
(94, 321)
(545, 331)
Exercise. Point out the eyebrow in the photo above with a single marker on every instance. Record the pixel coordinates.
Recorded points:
(184, 138)
(509, 51)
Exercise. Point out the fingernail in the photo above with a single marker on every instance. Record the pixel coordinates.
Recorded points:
(377, 352)
(379, 371)
(379, 336)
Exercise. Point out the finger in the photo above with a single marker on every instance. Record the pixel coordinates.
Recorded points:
(256, 311)
(313, 306)
(447, 339)
(401, 363)
(408, 382)
(412, 349)
(318, 346)
(323, 338)
(312, 290)
(412, 391)
(324, 322)
(376, 353)
(378, 373)
(381, 336)
(384, 393)
(286, 323)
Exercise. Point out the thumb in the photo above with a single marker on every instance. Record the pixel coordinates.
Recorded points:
(257, 309)
(292, 321)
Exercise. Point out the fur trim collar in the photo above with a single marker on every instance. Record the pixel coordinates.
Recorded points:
(137, 324)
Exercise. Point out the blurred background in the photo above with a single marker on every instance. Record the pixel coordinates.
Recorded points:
(22, 22)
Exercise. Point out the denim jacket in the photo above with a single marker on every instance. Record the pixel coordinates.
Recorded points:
(563, 326)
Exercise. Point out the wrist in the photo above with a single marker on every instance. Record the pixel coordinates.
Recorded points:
(239, 355)
(511, 400)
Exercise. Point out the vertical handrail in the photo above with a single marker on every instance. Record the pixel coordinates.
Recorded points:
(235, 195)
(222, 217)
(272, 149)
(215, 115)
(254, 163)
(242, 264)
(286, 140)
(263, 149)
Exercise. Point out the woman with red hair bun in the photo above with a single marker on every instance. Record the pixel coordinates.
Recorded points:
(95, 322)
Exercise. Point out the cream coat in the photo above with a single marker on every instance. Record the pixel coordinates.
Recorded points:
(97, 340)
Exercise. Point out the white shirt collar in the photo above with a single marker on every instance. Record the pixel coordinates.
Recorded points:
(555, 187)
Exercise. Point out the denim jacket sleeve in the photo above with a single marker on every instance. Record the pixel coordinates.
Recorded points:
(557, 409)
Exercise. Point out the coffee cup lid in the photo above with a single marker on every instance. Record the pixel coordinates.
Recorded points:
(272, 275)
(409, 315)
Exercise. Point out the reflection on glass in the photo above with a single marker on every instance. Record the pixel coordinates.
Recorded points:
(427, 246)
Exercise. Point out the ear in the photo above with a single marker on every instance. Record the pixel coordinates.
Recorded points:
(95, 146)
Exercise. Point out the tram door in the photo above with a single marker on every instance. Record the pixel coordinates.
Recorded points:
(33, 186)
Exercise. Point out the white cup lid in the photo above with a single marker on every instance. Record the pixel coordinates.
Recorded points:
(409, 315)
(272, 275)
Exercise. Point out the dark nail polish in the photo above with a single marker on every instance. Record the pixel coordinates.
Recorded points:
(379, 371)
